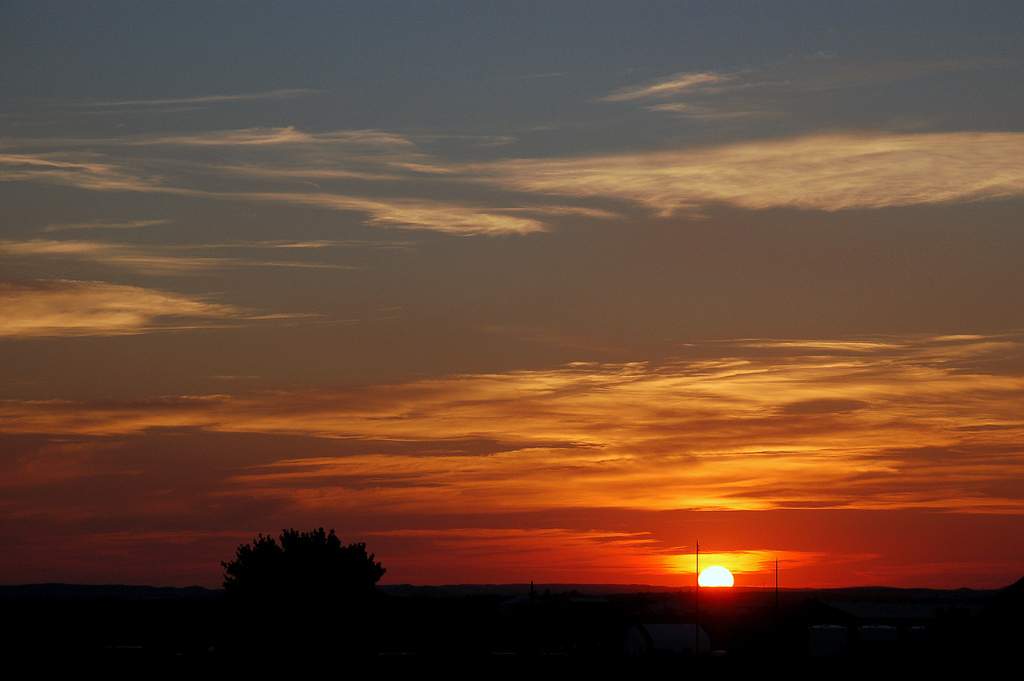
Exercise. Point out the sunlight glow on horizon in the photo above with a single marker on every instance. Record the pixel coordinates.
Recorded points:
(715, 577)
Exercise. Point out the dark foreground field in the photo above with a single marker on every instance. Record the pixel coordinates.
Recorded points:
(54, 621)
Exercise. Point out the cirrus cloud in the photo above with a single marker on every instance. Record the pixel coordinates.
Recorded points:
(161, 259)
(448, 217)
(62, 307)
(829, 172)
(666, 87)
(284, 93)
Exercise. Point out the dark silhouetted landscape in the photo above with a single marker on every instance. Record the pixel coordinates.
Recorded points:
(310, 591)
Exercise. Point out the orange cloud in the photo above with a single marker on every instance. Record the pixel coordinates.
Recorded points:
(558, 554)
(900, 423)
(850, 460)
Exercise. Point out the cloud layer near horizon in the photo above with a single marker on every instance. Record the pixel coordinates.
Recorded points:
(462, 464)
(913, 423)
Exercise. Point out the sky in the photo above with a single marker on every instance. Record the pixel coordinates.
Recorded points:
(521, 291)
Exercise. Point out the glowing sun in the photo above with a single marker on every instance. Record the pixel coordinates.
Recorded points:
(715, 576)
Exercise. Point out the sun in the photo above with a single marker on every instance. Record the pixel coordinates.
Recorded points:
(715, 576)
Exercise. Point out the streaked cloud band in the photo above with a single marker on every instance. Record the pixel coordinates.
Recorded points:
(828, 172)
(90, 308)
(666, 87)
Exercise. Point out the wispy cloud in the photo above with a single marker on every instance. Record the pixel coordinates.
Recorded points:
(769, 89)
(155, 259)
(101, 224)
(436, 216)
(93, 308)
(288, 93)
(234, 137)
(457, 219)
(828, 345)
(119, 255)
(83, 172)
(546, 209)
(666, 87)
(387, 244)
(709, 113)
(446, 217)
(828, 172)
(308, 173)
(372, 151)
(548, 74)
(268, 136)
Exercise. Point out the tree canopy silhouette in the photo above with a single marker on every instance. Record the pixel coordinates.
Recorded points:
(301, 567)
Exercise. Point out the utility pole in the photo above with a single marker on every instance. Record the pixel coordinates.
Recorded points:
(776, 602)
(776, 587)
(778, 615)
(696, 603)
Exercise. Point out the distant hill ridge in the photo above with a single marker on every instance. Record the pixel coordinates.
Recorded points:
(94, 592)
(129, 592)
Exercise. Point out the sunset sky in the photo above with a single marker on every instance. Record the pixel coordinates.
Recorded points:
(514, 291)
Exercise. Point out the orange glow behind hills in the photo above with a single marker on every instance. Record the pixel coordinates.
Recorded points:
(569, 474)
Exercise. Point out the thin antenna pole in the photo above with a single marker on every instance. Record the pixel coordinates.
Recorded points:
(696, 602)
(776, 598)
(776, 586)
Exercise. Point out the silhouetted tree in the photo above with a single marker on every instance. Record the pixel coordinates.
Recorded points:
(305, 567)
